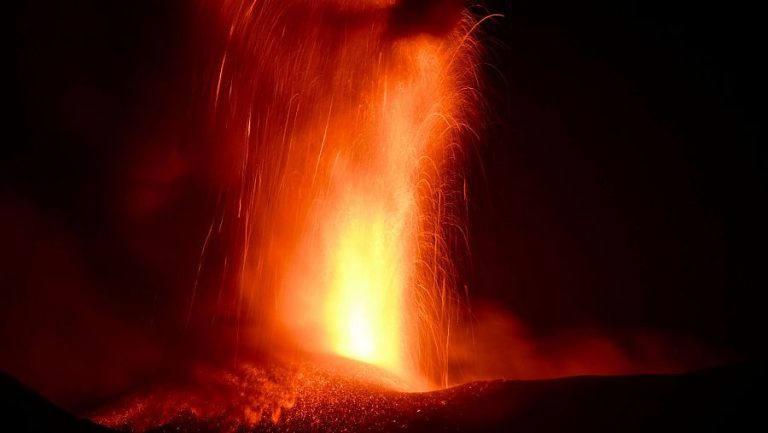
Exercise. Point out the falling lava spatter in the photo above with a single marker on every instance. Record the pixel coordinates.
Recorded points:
(346, 189)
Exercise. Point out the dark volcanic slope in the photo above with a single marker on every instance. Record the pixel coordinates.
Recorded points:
(22, 410)
(723, 399)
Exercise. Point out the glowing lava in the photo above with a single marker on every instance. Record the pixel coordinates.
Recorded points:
(364, 303)
(369, 258)
(348, 195)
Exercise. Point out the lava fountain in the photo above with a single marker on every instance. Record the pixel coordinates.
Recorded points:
(341, 125)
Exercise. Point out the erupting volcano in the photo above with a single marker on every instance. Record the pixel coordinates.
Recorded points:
(340, 128)
(377, 215)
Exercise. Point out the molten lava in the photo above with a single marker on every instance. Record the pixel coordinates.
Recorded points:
(367, 246)
(364, 298)
(345, 127)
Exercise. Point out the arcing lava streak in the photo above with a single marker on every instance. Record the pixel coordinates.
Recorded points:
(345, 121)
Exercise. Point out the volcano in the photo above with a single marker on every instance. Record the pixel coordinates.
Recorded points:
(258, 399)
(382, 215)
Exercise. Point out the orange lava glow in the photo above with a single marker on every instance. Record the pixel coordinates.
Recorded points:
(349, 196)
(360, 257)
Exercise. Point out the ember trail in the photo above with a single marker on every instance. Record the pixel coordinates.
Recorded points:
(342, 122)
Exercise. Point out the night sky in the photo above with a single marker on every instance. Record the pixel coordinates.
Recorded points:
(616, 188)
(624, 178)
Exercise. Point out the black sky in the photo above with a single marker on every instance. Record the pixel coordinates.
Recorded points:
(624, 175)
